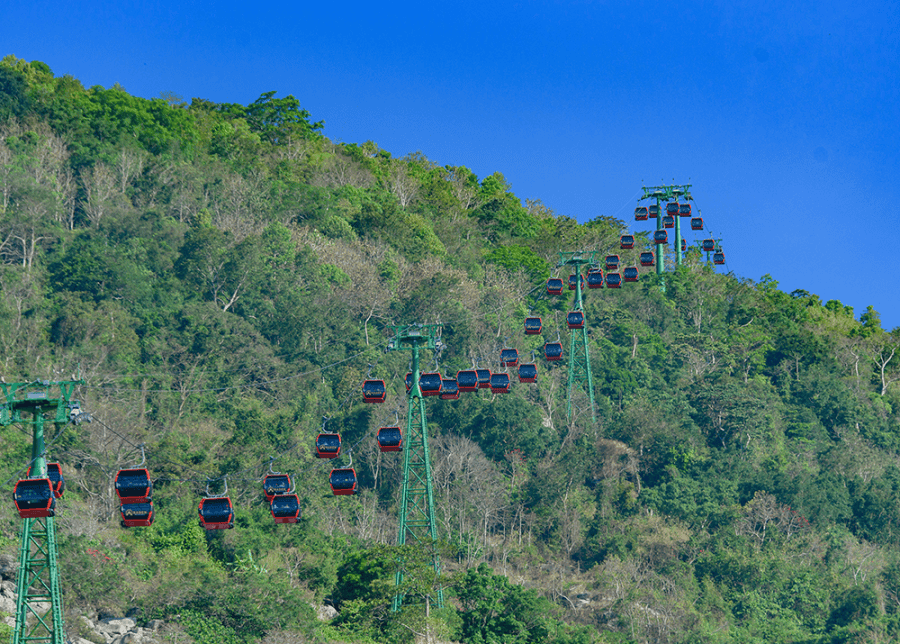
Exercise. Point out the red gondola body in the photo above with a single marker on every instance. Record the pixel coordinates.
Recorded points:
(554, 286)
(719, 258)
(275, 484)
(509, 357)
(467, 380)
(343, 481)
(653, 210)
(648, 259)
(630, 274)
(136, 515)
(626, 242)
(34, 498)
(672, 208)
(641, 213)
(612, 262)
(133, 486)
(684, 210)
(613, 280)
(408, 381)
(484, 378)
(430, 383)
(449, 389)
(54, 473)
(328, 445)
(573, 282)
(708, 245)
(499, 383)
(575, 319)
(696, 223)
(390, 439)
(595, 278)
(668, 221)
(216, 513)
(374, 391)
(553, 351)
(285, 508)
(528, 372)
(683, 245)
(533, 325)
(660, 237)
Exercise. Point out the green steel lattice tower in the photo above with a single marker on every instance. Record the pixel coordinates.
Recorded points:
(579, 356)
(417, 522)
(38, 576)
(666, 193)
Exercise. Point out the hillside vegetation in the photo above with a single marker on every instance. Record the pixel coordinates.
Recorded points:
(224, 276)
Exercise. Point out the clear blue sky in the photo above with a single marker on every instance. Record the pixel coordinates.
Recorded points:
(783, 117)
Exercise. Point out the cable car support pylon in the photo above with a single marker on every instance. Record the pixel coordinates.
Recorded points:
(665, 194)
(417, 522)
(38, 577)
(579, 356)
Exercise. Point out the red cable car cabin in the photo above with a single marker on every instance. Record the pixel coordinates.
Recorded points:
(509, 357)
(554, 286)
(408, 381)
(648, 259)
(613, 280)
(659, 237)
(573, 282)
(328, 445)
(719, 258)
(630, 274)
(390, 439)
(708, 245)
(575, 319)
(654, 210)
(136, 515)
(533, 325)
(696, 223)
(684, 210)
(553, 351)
(595, 278)
(668, 221)
(641, 214)
(528, 372)
(343, 481)
(672, 208)
(499, 383)
(374, 391)
(285, 508)
(612, 262)
(683, 245)
(449, 389)
(626, 242)
(34, 498)
(133, 486)
(484, 378)
(275, 484)
(430, 384)
(467, 380)
(56, 478)
(216, 513)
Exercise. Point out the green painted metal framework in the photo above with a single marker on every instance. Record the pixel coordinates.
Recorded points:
(664, 194)
(417, 522)
(38, 578)
(579, 355)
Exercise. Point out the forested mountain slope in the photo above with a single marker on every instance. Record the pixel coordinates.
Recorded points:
(225, 276)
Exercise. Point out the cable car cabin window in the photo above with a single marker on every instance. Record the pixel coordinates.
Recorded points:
(133, 486)
(484, 378)
(626, 242)
(641, 214)
(374, 391)
(500, 383)
(668, 221)
(34, 498)
(533, 326)
(553, 351)
(554, 286)
(612, 262)
(708, 245)
(647, 259)
(630, 274)
(653, 210)
(660, 237)
(216, 513)
(672, 208)
(595, 279)
(285, 508)
(449, 389)
(719, 258)
(573, 280)
(696, 223)
(509, 357)
(343, 481)
(613, 280)
(390, 439)
(56, 478)
(136, 515)
(467, 380)
(430, 384)
(575, 320)
(328, 445)
(275, 484)
(527, 372)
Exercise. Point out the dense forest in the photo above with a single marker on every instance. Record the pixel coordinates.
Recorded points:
(224, 276)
